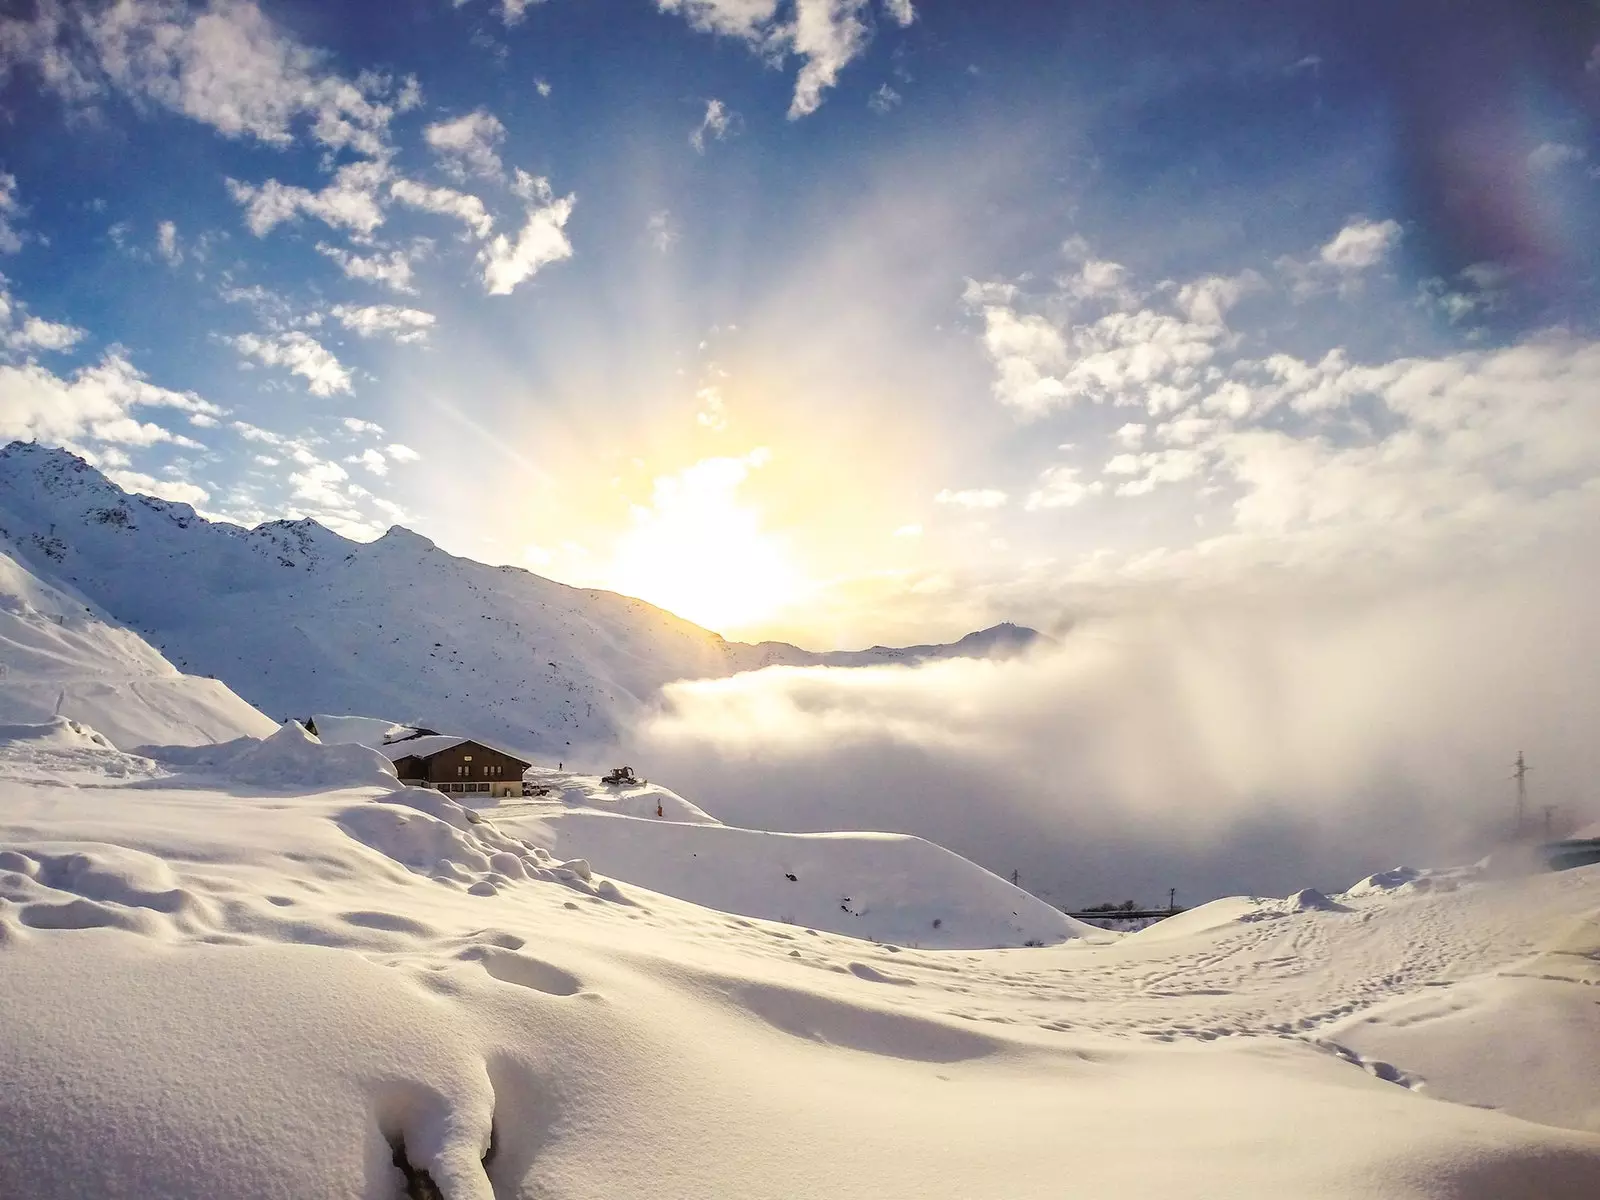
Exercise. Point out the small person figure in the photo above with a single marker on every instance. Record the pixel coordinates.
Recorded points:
(659, 813)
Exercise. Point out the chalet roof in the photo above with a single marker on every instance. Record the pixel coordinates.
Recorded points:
(427, 747)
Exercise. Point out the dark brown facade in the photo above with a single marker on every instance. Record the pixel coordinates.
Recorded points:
(465, 767)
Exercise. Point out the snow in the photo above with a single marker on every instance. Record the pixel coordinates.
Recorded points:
(882, 887)
(298, 620)
(240, 960)
(368, 731)
(59, 656)
(422, 747)
(315, 980)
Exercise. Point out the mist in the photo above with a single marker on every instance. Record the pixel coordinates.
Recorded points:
(1234, 744)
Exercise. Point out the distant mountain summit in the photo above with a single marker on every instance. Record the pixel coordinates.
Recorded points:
(297, 619)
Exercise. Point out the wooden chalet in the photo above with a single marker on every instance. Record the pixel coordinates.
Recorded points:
(456, 764)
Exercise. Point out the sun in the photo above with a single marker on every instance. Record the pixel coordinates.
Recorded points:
(698, 551)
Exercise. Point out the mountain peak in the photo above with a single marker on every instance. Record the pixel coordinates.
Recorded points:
(399, 537)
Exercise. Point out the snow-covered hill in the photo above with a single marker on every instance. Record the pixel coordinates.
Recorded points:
(329, 986)
(297, 619)
(59, 656)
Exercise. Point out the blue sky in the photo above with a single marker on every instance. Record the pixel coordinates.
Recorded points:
(838, 320)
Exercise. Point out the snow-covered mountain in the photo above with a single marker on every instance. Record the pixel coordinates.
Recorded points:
(297, 619)
(60, 657)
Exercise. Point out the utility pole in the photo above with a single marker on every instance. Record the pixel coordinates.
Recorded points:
(1521, 776)
(1172, 899)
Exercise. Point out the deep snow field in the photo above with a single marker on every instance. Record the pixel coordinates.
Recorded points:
(261, 969)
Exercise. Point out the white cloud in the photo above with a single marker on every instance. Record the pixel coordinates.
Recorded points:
(1207, 301)
(1552, 156)
(1361, 244)
(35, 333)
(318, 484)
(372, 460)
(748, 20)
(826, 35)
(357, 425)
(1059, 487)
(468, 143)
(885, 100)
(1122, 357)
(972, 498)
(96, 402)
(542, 241)
(302, 354)
(179, 490)
(908, 531)
(400, 453)
(713, 413)
(227, 66)
(22, 332)
(662, 232)
(349, 202)
(1154, 468)
(715, 125)
(167, 243)
(511, 11)
(542, 86)
(403, 324)
(10, 209)
(463, 206)
(393, 270)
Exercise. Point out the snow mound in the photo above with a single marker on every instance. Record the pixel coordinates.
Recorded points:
(430, 834)
(61, 750)
(1406, 880)
(290, 760)
(59, 732)
(1204, 918)
(572, 790)
(1311, 900)
(880, 887)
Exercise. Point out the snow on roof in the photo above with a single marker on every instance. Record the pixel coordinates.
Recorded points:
(431, 744)
(368, 731)
(420, 747)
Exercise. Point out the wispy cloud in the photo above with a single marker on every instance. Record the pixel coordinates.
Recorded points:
(542, 240)
(226, 65)
(826, 35)
(463, 206)
(714, 125)
(299, 353)
(468, 143)
(402, 324)
(349, 202)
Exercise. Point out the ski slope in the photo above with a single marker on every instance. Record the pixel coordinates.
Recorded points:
(323, 982)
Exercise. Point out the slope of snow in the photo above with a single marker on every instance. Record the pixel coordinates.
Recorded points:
(318, 991)
(60, 657)
(879, 886)
(298, 620)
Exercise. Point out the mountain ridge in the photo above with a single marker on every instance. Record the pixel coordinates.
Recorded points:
(297, 618)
